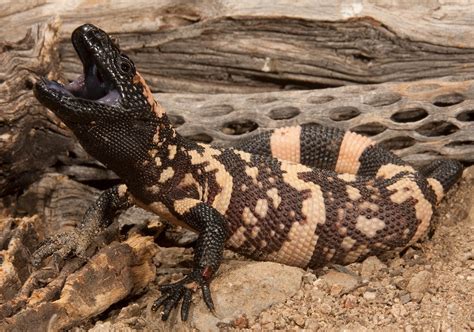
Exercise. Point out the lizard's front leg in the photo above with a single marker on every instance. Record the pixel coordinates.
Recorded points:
(98, 217)
(207, 258)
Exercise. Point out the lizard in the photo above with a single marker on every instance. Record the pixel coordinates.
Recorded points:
(304, 195)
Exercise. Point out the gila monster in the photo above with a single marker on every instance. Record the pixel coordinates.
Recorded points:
(304, 195)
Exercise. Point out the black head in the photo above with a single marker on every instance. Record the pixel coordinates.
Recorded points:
(109, 107)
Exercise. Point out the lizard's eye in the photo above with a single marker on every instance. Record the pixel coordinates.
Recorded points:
(125, 65)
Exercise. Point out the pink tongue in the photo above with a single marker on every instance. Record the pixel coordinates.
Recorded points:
(111, 98)
(77, 84)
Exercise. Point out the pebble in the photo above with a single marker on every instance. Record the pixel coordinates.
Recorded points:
(405, 298)
(339, 282)
(371, 266)
(326, 308)
(265, 283)
(418, 284)
(370, 296)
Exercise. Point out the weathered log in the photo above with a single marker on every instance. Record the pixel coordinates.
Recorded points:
(86, 293)
(421, 121)
(31, 137)
(246, 46)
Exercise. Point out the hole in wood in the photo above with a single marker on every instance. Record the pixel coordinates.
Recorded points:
(448, 100)
(217, 110)
(382, 99)
(362, 57)
(398, 143)
(29, 84)
(409, 115)
(320, 99)
(283, 113)
(201, 137)
(239, 127)
(437, 128)
(466, 116)
(369, 129)
(460, 144)
(343, 113)
(176, 120)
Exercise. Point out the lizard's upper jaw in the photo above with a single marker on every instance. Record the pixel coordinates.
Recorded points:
(96, 52)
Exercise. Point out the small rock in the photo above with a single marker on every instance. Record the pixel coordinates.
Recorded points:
(452, 308)
(309, 278)
(241, 322)
(325, 308)
(133, 310)
(419, 284)
(312, 324)
(405, 298)
(398, 310)
(299, 320)
(408, 328)
(370, 296)
(354, 327)
(468, 173)
(371, 266)
(246, 288)
(339, 282)
(350, 301)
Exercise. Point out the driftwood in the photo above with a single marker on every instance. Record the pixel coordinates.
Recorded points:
(30, 136)
(75, 297)
(421, 121)
(250, 46)
(59, 294)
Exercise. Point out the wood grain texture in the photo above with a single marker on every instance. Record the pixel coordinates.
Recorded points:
(31, 137)
(421, 121)
(249, 46)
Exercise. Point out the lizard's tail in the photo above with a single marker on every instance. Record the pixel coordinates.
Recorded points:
(442, 175)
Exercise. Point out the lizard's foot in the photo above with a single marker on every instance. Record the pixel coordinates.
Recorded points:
(183, 289)
(72, 242)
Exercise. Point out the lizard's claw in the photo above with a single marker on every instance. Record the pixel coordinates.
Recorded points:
(62, 245)
(183, 289)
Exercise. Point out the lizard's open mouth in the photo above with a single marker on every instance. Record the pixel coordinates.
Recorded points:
(94, 84)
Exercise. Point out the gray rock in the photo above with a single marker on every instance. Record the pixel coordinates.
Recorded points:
(371, 266)
(246, 288)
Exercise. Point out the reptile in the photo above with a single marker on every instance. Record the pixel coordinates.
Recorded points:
(305, 195)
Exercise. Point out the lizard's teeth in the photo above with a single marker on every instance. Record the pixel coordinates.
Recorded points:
(53, 85)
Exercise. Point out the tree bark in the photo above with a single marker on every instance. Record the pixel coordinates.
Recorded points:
(215, 46)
